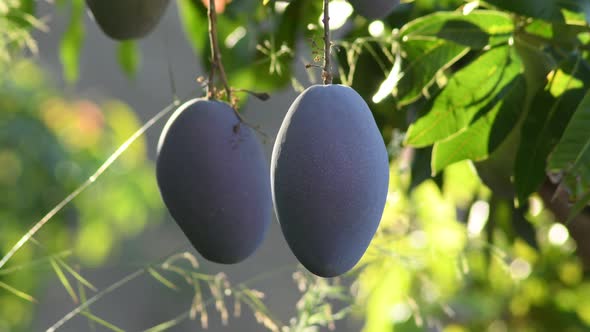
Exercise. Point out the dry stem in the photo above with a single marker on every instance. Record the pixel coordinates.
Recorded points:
(326, 73)
(216, 64)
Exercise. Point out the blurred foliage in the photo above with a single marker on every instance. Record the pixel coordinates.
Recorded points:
(433, 266)
(458, 76)
(17, 17)
(465, 73)
(463, 92)
(49, 144)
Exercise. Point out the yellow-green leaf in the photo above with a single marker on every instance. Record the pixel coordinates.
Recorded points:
(18, 293)
(71, 43)
(64, 281)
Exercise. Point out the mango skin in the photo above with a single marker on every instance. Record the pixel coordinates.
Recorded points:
(329, 178)
(127, 19)
(213, 178)
(374, 9)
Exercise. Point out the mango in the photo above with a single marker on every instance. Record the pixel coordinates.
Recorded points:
(213, 178)
(329, 178)
(127, 19)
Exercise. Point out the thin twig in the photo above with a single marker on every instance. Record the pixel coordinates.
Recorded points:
(95, 298)
(169, 67)
(236, 289)
(326, 74)
(82, 307)
(263, 96)
(212, 39)
(36, 262)
(216, 63)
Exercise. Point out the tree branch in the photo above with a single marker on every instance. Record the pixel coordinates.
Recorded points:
(579, 227)
(216, 64)
(326, 73)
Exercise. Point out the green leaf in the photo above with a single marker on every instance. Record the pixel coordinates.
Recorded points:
(466, 95)
(27, 6)
(169, 324)
(564, 35)
(101, 321)
(523, 227)
(572, 153)
(544, 125)
(540, 28)
(84, 298)
(76, 275)
(33, 263)
(71, 42)
(64, 281)
(129, 57)
(465, 33)
(476, 30)
(253, 56)
(576, 10)
(424, 59)
(291, 21)
(549, 10)
(22, 13)
(537, 65)
(421, 170)
(578, 207)
(193, 18)
(17, 292)
(159, 277)
(263, 60)
(486, 133)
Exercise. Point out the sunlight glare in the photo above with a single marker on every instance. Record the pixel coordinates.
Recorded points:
(280, 6)
(401, 312)
(418, 239)
(558, 234)
(234, 37)
(470, 7)
(390, 83)
(376, 28)
(478, 217)
(340, 11)
(535, 206)
(520, 269)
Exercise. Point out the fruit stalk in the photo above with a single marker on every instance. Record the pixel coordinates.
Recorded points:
(216, 64)
(326, 73)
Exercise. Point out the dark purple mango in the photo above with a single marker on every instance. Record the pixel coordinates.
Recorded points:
(374, 9)
(329, 176)
(213, 178)
(127, 19)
